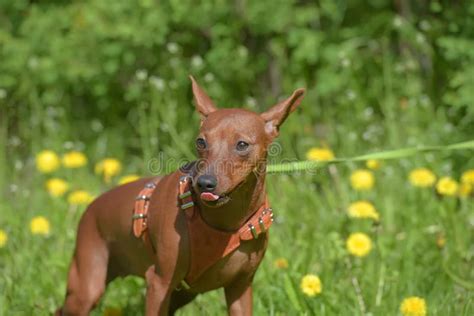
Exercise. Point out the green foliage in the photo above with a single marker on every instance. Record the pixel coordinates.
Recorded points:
(110, 64)
(110, 78)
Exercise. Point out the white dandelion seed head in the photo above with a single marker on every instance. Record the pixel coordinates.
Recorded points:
(397, 21)
(141, 74)
(368, 112)
(420, 38)
(351, 95)
(13, 187)
(33, 62)
(425, 25)
(157, 83)
(250, 101)
(172, 47)
(209, 77)
(18, 165)
(197, 61)
(242, 51)
(96, 126)
(14, 141)
(68, 145)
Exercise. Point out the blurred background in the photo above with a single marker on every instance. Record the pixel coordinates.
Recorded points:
(109, 79)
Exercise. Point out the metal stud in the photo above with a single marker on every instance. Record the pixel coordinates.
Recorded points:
(150, 185)
(261, 224)
(138, 216)
(143, 197)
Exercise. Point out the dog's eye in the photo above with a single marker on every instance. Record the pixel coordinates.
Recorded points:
(201, 144)
(241, 146)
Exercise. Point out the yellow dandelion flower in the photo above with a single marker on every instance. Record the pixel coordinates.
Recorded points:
(112, 311)
(3, 238)
(465, 189)
(422, 177)
(74, 159)
(47, 161)
(413, 306)
(281, 263)
(79, 197)
(359, 244)
(468, 176)
(56, 187)
(320, 154)
(39, 225)
(363, 209)
(362, 179)
(447, 186)
(108, 168)
(373, 164)
(311, 285)
(440, 241)
(128, 178)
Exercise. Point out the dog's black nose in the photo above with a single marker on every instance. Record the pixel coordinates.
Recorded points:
(207, 183)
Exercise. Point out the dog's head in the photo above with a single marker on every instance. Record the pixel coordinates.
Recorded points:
(233, 143)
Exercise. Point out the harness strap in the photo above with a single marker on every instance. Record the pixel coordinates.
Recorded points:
(207, 245)
(186, 196)
(140, 213)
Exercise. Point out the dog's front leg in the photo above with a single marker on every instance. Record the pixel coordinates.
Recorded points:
(238, 296)
(158, 293)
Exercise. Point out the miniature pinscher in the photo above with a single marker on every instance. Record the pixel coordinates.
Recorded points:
(202, 227)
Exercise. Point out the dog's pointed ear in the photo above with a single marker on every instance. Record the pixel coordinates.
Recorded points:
(204, 104)
(278, 113)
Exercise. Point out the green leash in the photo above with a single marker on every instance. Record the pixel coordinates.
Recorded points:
(307, 165)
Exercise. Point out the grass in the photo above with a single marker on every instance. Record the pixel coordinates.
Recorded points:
(378, 77)
(311, 225)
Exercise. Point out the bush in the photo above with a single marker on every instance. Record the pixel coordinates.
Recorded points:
(123, 66)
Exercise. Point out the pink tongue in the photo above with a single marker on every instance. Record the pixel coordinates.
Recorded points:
(208, 196)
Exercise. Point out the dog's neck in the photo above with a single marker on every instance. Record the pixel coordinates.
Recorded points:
(245, 200)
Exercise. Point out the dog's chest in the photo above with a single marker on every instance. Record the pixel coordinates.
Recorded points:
(241, 263)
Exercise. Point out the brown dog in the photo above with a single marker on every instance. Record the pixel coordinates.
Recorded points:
(202, 227)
